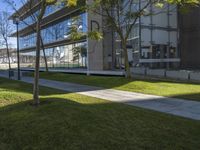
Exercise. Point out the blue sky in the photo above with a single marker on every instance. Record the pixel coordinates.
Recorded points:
(6, 7)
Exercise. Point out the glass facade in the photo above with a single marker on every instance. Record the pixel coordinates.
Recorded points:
(53, 33)
(132, 45)
(133, 42)
(31, 19)
(153, 41)
(67, 56)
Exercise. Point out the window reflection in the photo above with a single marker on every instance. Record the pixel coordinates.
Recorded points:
(56, 32)
(32, 18)
(59, 57)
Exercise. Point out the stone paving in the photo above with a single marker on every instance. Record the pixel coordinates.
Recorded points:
(179, 107)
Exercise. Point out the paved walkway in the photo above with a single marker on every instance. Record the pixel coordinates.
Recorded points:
(178, 107)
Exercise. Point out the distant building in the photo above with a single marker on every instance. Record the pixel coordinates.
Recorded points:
(4, 56)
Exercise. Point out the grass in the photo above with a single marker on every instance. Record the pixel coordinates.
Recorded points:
(166, 88)
(76, 122)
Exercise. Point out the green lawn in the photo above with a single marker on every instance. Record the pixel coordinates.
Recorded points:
(148, 86)
(76, 122)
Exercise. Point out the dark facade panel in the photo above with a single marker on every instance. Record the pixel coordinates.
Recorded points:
(189, 27)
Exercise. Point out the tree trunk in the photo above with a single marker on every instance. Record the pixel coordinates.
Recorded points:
(126, 61)
(53, 58)
(37, 67)
(45, 58)
(8, 55)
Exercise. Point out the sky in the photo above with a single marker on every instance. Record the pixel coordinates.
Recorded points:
(6, 7)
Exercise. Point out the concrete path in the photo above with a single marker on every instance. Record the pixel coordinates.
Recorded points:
(178, 107)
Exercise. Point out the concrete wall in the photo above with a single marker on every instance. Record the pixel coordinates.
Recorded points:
(178, 74)
(95, 48)
(138, 71)
(195, 76)
(108, 50)
(172, 74)
(156, 72)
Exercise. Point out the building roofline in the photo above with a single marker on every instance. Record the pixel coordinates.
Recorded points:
(23, 10)
(45, 22)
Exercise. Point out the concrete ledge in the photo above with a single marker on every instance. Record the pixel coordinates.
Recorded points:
(83, 71)
(156, 72)
(195, 76)
(106, 72)
(15, 73)
(183, 75)
(171, 74)
(139, 71)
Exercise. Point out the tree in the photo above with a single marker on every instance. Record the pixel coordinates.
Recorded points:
(122, 16)
(43, 6)
(6, 29)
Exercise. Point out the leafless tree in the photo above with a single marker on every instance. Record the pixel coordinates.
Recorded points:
(28, 7)
(6, 30)
(36, 28)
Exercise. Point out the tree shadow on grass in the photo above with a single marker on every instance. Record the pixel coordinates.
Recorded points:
(193, 96)
(60, 123)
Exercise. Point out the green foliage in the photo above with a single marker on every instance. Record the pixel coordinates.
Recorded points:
(77, 51)
(95, 35)
(74, 31)
(75, 34)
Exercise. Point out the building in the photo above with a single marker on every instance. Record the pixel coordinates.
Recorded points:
(153, 41)
(4, 55)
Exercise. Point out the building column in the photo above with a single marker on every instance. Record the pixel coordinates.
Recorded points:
(95, 48)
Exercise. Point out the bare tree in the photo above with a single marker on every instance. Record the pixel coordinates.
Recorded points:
(6, 29)
(28, 7)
